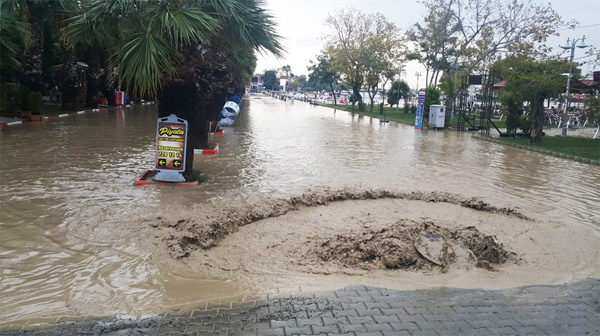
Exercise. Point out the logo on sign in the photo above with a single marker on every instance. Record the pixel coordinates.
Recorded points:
(170, 146)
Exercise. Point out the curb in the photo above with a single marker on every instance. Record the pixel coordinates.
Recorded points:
(207, 151)
(3, 125)
(541, 151)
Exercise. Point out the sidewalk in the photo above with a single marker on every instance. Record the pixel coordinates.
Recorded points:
(572, 309)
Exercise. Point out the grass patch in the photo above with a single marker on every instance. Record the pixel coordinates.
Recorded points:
(579, 147)
(400, 116)
(195, 175)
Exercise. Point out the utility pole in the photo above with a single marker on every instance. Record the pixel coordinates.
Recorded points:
(570, 46)
(418, 74)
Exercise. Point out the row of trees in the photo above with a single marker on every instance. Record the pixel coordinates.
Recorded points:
(189, 54)
(455, 38)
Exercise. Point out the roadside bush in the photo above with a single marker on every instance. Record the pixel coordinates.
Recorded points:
(525, 124)
(35, 102)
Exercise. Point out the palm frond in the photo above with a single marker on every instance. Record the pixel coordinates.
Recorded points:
(15, 39)
(145, 61)
(184, 24)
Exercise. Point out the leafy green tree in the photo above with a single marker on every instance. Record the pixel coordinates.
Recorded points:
(432, 97)
(320, 72)
(532, 81)
(476, 33)
(270, 81)
(361, 48)
(399, 89)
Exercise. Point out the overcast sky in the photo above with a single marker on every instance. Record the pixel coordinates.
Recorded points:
(302, 24)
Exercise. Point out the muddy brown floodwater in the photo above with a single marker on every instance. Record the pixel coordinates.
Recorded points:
(298, 198)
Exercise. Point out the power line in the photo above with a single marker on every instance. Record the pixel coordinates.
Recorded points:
(594, 25)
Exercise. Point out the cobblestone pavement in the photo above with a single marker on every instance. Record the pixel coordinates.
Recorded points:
(572, 309)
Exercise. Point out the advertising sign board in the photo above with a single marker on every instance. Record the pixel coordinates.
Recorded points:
(420, 107)
(171, 143)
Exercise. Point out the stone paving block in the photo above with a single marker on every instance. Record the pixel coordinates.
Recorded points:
(425, 333)
(437, 325)
(360, 320)
(451, 332)
(362, 298)
(393, 311)
(476, 324)
(386, 319)
(369, 312)
(227, 326)
(347, 334)
(242, 318)
(334, 320)
(343, 313)
(283, 324)
(215, 319)
(330, 329)
(502, 331)
(535, 322)
(529, 331)
(309, 322)
(437, 317)
(415, 311)
(412, 318)
(378, 327)
(581, 330)
(461, 324)
(207, 333)
(271, 332)
(404, 326)
(330, 294)
(396, 333)
(353, 305)
(342, 294)
(318, 314)
(199, 327)
(298, 331)
(345, 328)
(464, 309)
(500, 323)
(258, 325)
(250, 332)
(377, 333)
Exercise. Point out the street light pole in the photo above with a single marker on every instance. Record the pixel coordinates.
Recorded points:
(570, 46)
(418, 74)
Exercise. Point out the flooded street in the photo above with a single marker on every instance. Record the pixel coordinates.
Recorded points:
(74, 233)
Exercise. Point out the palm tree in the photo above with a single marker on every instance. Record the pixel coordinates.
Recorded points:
(178, 50)
(35, 15)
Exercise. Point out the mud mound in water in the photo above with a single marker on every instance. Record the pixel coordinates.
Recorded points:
(203, 232)
(397, 247)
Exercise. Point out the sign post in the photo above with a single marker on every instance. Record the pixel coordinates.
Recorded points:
(171, 143)
(420, 107)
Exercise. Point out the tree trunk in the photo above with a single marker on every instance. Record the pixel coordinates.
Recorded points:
(93, 57)
(32, 60)
(69, 80)
(449, 100)
(537, 119)
(333, 92)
